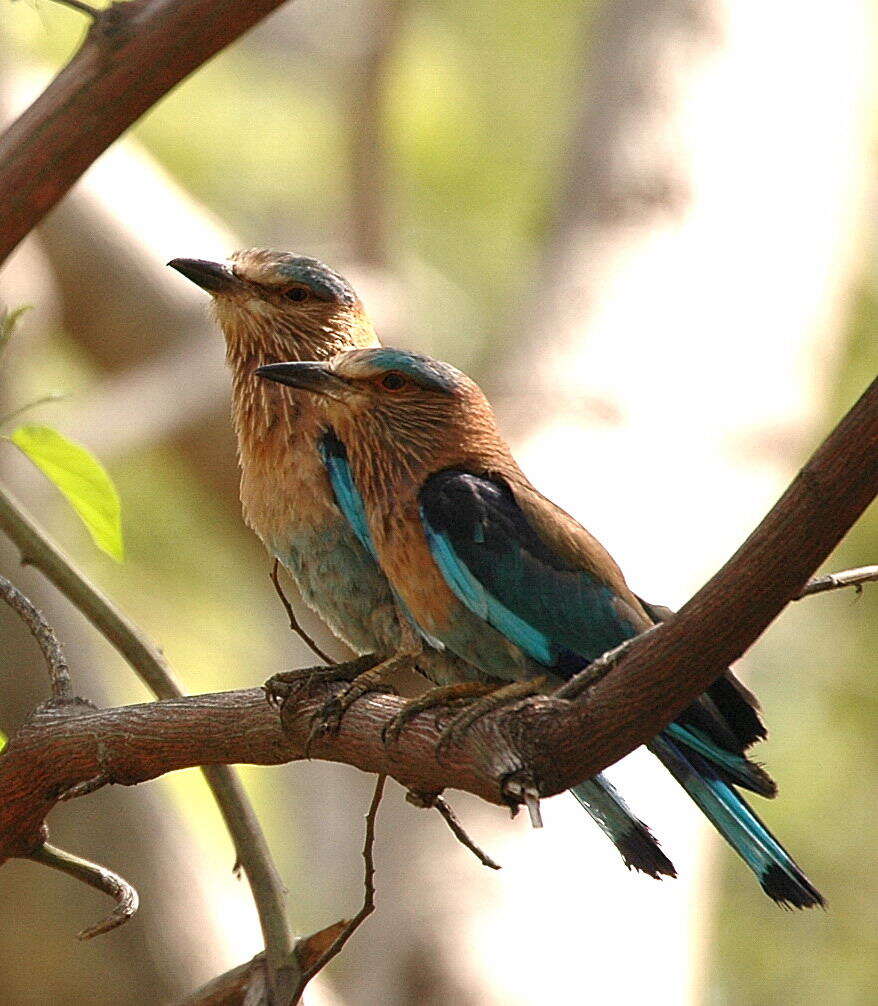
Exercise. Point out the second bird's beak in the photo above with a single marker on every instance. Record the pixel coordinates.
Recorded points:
(215, 277)
(307, 376)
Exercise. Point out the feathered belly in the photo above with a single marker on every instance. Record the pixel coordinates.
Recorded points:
(339, 580)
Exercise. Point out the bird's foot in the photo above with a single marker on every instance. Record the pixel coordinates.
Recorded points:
(327, 719)
(281, 686)
(445, 695)
(503, 695)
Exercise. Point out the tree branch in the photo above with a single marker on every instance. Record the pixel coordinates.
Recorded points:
(83, 8)
(96, 876)
(835, 581)
(544, 742)
(291, 615)
(349, 928)
(251, 847)
(44, 634)
(451, 819)
(131, 56)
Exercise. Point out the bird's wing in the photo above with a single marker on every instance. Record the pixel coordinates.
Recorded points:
(335, 460)
(562, 615)
(503, 570)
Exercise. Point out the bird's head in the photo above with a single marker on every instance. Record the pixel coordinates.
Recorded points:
(278, 306)
(427, 412)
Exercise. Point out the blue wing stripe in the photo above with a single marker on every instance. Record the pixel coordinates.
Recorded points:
(346, 494)
(471, 593)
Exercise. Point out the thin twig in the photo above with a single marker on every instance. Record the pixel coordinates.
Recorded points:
(55, 396)
(83, 8)
(834, 581)
(294, 622)
(460, 834)
(368, 885)
(251, 847)
(45, 636)
(96, 876)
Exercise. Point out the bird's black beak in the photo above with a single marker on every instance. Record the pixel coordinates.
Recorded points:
(307, 376)
(215, 277)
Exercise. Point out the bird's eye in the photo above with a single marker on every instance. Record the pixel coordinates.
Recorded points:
(297, 294)
(393, 382)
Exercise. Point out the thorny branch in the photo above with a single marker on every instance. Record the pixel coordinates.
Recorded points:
(453, 822)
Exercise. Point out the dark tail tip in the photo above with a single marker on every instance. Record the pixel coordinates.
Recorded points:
(641, 851)
(758, 779)
(790, 888)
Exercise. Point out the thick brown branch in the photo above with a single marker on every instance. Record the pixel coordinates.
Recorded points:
(133, 54)
(548, 742)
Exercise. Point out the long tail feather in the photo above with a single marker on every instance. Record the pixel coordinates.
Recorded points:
(735, 768)
(780, 877)
(631, 837)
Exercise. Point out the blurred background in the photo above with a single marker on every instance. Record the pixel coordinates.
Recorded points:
(648, 228)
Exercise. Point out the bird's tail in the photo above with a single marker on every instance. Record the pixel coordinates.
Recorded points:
(777, 872)
(631, 837)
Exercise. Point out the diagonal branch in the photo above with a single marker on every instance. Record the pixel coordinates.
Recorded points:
(131, 56)
(291, 615)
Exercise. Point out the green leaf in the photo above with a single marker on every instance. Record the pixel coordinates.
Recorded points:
(81, 478)
(8, 321)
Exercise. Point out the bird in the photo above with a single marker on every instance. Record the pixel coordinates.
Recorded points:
(501, 576)
(274, 306)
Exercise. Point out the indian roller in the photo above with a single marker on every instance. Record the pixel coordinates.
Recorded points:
(274, 306)
(489, 569)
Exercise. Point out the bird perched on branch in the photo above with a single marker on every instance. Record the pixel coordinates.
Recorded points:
(493, 571)
(275, 306)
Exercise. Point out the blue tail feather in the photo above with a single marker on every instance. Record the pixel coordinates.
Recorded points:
(780, 877)
(733, 766)
(631, 837)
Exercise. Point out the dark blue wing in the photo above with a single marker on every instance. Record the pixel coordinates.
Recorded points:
(502, 570)
(496, 564)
